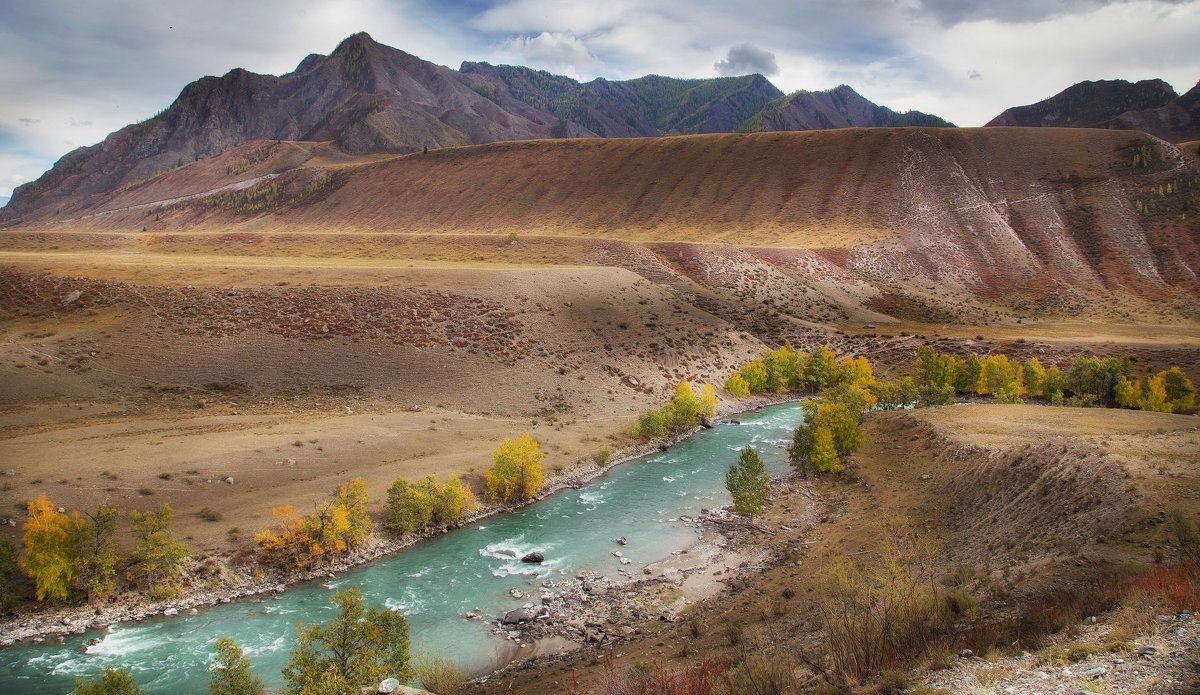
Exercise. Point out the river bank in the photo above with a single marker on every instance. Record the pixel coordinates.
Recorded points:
(232, 583)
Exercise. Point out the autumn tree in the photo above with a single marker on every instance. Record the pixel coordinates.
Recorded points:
(334, 527)
(841, 424)
(821, 369)
(781, 365)
(966, 378)
(824, 456)
(934, 376)
(113, 681)
(1095, 378)
(754, 373)
(97, 547)
(651, 424)
(351, 497)
(857, 398)
(516, 472)
(1034, 376)
(453, 500)
(51, 550)
(231, 671)
(708, 400)
(1127, 393)
(800, 453)
(747, 482)
(1181, 393)
(857, 371)
(408, 507)
(357, 648)
(736, 385)
(157, 557)
(1000, 379)
(890, 395)
(1154, 395)
(288, 545)
(683, 410)
(1052, 387)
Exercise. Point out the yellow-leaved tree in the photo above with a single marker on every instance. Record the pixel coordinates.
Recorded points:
(708, 400)
(51, 550)
(516, 472)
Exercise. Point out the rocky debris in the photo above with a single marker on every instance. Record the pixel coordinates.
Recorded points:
(524, 615)
(621, 541)
(1162, 663)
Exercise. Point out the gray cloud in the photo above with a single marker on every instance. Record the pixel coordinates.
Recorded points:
(745, 60)
(949, 12)
(95, 67)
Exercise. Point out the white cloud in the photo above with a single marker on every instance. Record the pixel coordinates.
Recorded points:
(559, 52)
(77, 70)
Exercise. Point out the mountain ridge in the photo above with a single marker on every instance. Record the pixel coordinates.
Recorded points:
(366, 97)
(1152, 106)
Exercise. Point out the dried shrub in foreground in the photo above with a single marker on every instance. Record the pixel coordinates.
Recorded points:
(698, 679)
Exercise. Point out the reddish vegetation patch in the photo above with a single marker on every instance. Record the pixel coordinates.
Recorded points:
(415, 317)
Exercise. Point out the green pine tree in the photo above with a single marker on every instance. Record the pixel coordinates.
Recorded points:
(747, 482)
(358, 648)
(231, 671)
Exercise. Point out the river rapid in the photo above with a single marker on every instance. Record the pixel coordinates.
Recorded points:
(435, 582)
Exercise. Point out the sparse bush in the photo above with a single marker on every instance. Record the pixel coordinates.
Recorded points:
(209, 514)
(438, 674)
(698, 679)
(733, 632)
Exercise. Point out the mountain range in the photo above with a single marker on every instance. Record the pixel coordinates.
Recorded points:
(1152, 106)
(366, 98)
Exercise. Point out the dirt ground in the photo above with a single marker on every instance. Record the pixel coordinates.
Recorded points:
(136, 367)
(901, 484)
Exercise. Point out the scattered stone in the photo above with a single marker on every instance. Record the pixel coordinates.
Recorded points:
(621, 541)
(228, 480)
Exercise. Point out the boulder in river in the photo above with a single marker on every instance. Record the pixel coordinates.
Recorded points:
(534, 558)
(523, 615)
(706, 422)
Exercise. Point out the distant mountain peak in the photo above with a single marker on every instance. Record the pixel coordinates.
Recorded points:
(1151, 105)
(838, 107)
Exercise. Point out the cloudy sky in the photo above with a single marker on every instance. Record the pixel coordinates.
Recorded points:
(72, 71)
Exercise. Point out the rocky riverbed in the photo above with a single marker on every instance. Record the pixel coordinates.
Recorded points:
(217, 581)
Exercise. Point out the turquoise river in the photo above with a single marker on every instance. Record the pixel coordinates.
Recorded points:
(435, 582)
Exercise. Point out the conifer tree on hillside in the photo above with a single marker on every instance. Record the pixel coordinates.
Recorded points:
(747, 482)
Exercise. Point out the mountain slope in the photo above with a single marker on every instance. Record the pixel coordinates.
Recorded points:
(1148, 105)
(998, 212)
(841, 107)
(369, 98)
